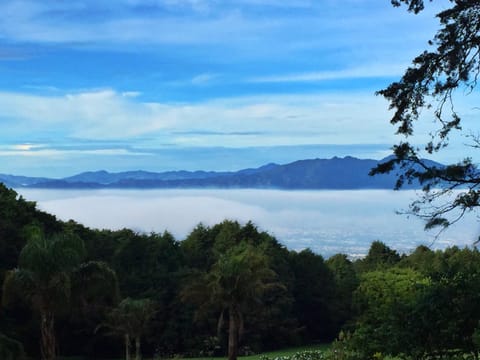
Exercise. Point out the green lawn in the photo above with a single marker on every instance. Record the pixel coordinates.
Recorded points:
(272, 354)
(288, 351)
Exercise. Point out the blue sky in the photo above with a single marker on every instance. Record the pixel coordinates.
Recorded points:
(198, 84)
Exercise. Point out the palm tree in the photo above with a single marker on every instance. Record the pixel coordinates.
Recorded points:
(47, 268)
(234, 283)
(130, 319)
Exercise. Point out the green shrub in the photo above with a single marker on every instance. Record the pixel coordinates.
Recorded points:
(301, 355)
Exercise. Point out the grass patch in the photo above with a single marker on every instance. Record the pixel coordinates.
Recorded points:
(287, 352)
(270, 354)
(276, 353)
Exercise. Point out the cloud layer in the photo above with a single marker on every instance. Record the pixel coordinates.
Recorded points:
(328, 222)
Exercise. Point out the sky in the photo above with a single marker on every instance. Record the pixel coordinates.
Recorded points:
(198, 84)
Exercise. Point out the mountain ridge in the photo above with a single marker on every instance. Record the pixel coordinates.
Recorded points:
(335, 173)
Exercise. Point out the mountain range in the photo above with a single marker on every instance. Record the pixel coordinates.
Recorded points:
(335, 173)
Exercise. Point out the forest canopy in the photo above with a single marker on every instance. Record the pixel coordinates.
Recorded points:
(224, 289)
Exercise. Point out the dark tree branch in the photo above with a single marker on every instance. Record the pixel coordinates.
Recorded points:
(431, 82)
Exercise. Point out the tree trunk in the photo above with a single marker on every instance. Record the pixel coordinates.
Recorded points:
(127, 347)
(138, 354)
(220, 323)
(47, 330)
(241, 327)
(232, 333)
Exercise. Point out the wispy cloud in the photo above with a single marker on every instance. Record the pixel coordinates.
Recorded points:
(131, 94)
(236, 24)
(39, 22)
(53, 151)
(370, 71)
(203, 79)
(220, 133)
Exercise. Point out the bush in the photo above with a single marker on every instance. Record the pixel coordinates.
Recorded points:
(301, 355)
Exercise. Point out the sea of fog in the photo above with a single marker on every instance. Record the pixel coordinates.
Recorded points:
(327, 222)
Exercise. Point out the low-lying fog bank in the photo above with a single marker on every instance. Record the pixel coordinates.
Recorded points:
(328, 222)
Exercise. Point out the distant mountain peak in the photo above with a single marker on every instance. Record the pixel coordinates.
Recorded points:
(335, 173)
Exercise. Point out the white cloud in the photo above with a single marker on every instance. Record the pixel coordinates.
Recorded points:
(264, 120)
(268, 120)
(24, 147)
(96, 114)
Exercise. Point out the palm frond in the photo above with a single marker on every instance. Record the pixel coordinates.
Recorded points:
(18, 285)
(95, 281)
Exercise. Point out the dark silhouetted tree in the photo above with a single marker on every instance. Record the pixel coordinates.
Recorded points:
(45, 277)
(130, 320)
(427, 90)
(379, 256)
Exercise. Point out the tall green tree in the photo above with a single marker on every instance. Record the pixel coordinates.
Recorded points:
(234, 284)
(198, 247)
(94, 292)
(428, 91)
(386, 301)
(379, 256)
(146, 265)
(131, 319)
(43, 279)
(150, 266)
(268, 325)
(313, 294)
(17, 214)
(345, 282)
